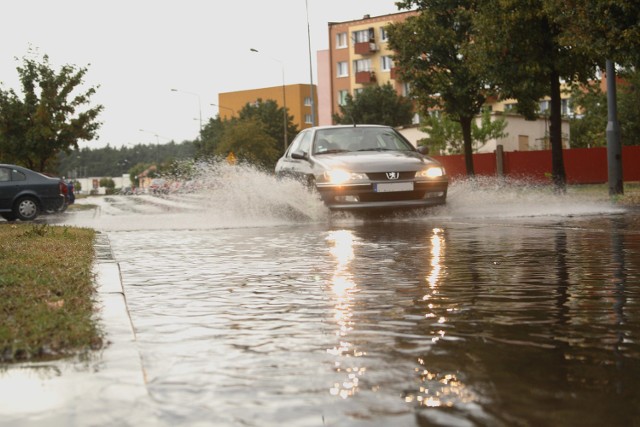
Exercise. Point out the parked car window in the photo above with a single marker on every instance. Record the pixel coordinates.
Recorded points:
(18, 176)
(5, 175)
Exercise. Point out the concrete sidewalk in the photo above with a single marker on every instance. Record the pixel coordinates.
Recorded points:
(106, 388)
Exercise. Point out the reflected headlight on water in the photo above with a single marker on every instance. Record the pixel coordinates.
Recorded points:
(431, 172)
(340, 176)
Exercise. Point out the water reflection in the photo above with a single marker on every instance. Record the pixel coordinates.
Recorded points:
(343, 290)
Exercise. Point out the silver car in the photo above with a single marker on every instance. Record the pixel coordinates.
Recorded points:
(364, 167)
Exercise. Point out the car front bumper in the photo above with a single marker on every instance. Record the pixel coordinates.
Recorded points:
(363, 196)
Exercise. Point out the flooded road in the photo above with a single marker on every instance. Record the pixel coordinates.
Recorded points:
(505, 308)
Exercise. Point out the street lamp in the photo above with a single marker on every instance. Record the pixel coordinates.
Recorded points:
(156, 135)
(313, 109)
(199, 104)
(284, 98)
(224, 108)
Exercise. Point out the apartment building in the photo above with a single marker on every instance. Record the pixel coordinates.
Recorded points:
(296, 97)
(359, 56)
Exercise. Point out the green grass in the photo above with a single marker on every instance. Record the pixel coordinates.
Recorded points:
(46, 292)
(631, 196)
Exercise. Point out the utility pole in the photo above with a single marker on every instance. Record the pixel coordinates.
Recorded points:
(614, 147)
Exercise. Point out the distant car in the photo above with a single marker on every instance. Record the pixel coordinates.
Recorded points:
(24, 194)
(364, 167)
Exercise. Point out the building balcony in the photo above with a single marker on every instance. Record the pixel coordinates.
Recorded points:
(393, 73)
(365, 48)
(364, 77)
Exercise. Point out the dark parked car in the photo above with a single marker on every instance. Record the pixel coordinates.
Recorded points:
(24, 194)
(364, 167)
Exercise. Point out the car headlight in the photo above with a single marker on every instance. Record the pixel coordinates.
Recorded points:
(340, 176)
(431, 172)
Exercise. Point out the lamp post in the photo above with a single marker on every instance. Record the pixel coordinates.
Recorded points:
(156, 135)
(284, 98)
(313, 109)
(199, 104)
(224, 108)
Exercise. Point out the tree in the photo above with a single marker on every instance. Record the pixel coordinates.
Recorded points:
(606, 29)
(250, 141)
(521, 45)
(272, 117)
(588, 128)
(379, 105)
(445, 134)
(51, 117)
(432, 52)
(210, 137)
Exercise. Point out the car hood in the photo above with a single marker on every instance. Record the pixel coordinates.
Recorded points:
(375, 161)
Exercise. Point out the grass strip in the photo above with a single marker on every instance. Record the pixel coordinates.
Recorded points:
(46, 292)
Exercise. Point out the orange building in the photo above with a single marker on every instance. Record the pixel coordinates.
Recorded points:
(296, 97)
(359, 56)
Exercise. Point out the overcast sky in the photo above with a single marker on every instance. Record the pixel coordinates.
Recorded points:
(138, 50)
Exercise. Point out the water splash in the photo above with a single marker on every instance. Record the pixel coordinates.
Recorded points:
(218, 195)
(488, 197)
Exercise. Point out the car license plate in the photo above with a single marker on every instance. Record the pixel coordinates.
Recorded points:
(393, 186)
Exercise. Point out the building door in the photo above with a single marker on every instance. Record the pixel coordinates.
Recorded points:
(523, 142)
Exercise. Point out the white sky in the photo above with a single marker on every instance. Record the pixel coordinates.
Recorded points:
(138, 50)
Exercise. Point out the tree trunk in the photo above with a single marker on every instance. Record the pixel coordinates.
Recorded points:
(555, 135)
(465, 124)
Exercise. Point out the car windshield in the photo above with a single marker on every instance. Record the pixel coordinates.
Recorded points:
(339, 140)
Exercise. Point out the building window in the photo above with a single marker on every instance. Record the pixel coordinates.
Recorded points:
(363, 36)
(308, 119)
(343, 69)
(362, 65)
(307, 101)
(358, 91)
(406, 89)
(386, 63)
(510, 107)
(544, 106)
(341, 40)
(383, 34)
(565, 107)
(342, 97)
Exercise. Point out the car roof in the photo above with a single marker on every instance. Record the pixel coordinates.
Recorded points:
(349, 126)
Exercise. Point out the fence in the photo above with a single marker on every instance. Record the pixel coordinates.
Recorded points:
(582, 165)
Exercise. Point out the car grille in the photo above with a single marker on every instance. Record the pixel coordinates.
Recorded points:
(382, 176)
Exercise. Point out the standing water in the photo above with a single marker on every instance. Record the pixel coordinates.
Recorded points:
(254, 305)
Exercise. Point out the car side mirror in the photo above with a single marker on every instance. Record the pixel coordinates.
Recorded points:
(423, 149)
(299, 155)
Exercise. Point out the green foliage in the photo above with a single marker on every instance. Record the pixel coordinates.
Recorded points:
(109, 161)
(209, 138)
(265, 119)
(523, 49)
(605, 29)
(250, 141)
(272, 117)
(379, 105)
(445, 134)
(434, 52)
(107, 183)
(49, 118)
(589, 128)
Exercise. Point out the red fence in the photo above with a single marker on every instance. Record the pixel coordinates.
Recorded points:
(582, 165)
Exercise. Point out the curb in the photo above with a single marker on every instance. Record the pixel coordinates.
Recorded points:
(107, 387)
